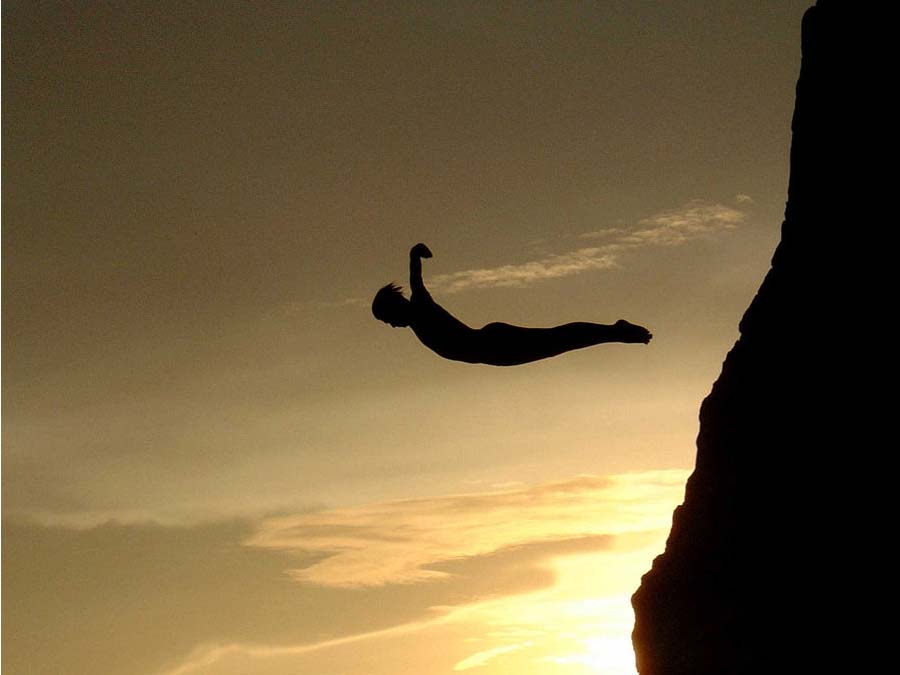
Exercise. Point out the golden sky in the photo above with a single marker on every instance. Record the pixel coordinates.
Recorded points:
(216, 461)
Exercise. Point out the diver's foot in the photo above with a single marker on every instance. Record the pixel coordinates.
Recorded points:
(631, 333)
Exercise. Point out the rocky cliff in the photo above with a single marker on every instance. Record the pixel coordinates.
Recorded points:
(765, 566)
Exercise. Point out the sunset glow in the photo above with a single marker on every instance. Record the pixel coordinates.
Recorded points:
(583, 543)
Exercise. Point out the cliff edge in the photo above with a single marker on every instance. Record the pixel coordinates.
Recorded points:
(764, 569)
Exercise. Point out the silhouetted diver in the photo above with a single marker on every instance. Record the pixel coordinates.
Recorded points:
(496, 344)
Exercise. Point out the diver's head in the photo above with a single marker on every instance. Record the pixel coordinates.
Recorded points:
(391, 307)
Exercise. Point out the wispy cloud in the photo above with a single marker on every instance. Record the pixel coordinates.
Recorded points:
(668, 228)
(406, 541)
(204, 656)
(475, 543)
(491, 550)
(523, 274)
(678, 226)
(481, 658)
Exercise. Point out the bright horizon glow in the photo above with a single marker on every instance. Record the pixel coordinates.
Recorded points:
(571, 624)
(579, 623)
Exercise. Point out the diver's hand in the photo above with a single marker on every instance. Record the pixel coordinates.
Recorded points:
(420, 251)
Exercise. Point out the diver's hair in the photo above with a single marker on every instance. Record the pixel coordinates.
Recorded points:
(385, 299)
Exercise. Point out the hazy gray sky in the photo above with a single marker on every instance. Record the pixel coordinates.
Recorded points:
(199, 201)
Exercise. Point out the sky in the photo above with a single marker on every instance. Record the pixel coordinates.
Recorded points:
(215, 460)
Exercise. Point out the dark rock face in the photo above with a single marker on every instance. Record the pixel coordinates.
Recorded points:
(763, 562)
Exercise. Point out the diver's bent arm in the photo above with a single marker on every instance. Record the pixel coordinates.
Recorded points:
(416, 285)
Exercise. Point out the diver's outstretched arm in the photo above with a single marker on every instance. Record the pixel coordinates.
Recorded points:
(416, 285)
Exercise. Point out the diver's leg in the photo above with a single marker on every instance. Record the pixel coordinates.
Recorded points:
(582, 334)
(505, 345)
